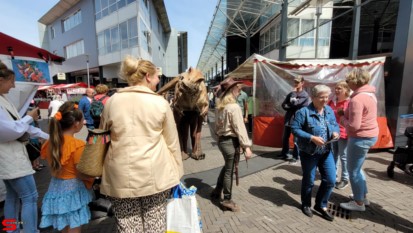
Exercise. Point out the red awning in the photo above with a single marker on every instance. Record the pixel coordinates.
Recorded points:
(41, 88)
(14, 47)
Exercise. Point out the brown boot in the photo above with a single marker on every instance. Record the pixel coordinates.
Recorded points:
(230, 205)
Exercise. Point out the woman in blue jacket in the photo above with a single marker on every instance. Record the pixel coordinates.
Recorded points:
(315, 126)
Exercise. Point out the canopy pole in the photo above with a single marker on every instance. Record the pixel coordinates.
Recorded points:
(318, 14)
(254, 90)
(355, 31)
(284, 18)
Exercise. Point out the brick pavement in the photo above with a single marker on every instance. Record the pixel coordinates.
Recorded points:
(270, 198)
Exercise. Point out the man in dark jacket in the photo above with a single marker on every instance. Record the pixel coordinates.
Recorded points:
(295, 100)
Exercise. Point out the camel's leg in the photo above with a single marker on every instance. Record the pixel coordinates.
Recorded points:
(196, 127)
(183, 127)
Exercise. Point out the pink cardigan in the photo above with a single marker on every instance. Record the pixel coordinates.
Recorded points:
(360, 118)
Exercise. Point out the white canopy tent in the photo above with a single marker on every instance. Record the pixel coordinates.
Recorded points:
(273, 80)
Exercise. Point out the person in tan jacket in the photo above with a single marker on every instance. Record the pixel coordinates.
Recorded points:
(232, 137)
(144, 160)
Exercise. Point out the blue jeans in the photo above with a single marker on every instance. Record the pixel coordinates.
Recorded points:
(327, 169)
(24, 189)
(357, 149)
(286, 144)
(340, 150)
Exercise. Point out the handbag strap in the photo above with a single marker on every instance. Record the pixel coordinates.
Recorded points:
(14, 117)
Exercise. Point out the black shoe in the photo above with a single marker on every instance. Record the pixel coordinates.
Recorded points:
(307, 211)
(326, 215)
(342, 184)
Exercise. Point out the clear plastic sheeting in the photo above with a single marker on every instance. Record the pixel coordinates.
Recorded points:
(273, 80)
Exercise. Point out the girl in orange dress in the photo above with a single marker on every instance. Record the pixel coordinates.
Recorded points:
(65, 205)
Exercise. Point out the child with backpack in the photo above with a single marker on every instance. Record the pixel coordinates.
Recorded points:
(98, 102)
(65, 205)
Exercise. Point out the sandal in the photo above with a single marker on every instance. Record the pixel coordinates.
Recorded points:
(230, 205)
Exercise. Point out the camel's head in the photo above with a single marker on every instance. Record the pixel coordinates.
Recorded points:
(193, 75)
(191, 80)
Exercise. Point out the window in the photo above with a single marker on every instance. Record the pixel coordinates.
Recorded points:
(101, 43)
(123, 31)
(308, 38)
(145, 35)
(98, 7)
(133, 32)
(106, 7)
(72, 21)
(324, 33)
(107, 41)
(114, 34)
(52, 32)
(293, 26)
(272, 37)
(277, 35)
(122, 36)
(75, 49)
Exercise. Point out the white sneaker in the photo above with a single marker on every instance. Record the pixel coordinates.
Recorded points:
(352, 205)
(366, 201)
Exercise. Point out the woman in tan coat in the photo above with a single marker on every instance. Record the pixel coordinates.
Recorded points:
(144, 159)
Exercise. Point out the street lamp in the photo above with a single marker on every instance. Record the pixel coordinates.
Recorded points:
(87, 69)
(238, 57)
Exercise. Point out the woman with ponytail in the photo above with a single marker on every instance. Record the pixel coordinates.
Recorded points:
(65, 205)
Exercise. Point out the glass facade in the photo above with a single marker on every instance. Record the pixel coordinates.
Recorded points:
(106, 7)
(121, 36)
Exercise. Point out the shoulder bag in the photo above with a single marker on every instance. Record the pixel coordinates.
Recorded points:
(93, 156)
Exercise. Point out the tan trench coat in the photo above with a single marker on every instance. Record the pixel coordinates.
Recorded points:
(144, 156)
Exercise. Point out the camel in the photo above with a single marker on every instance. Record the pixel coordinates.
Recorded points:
(190, 107)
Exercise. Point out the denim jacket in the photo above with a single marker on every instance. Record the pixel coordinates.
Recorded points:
(306, 123)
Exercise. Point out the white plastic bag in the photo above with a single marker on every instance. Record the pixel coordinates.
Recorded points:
(182, 213)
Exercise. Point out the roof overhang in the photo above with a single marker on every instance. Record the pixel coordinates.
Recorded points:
(162, 14)
(57, 11)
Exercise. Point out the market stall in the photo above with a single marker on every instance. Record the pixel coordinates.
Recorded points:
(273, 80)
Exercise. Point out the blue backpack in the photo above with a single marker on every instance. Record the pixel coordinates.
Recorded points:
(96, 108)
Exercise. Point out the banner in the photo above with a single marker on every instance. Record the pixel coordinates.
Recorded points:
(31, 71)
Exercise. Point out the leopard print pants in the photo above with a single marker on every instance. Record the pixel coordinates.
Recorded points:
(142, 214)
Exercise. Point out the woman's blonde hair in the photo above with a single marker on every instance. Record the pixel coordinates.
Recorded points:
(228, 98)
(344, 85)
(358, 77)
(134, 70)
(101, 89)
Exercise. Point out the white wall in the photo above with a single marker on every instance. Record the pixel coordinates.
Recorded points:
(171, 55)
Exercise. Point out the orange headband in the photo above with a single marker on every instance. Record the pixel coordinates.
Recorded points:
(58, 116)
